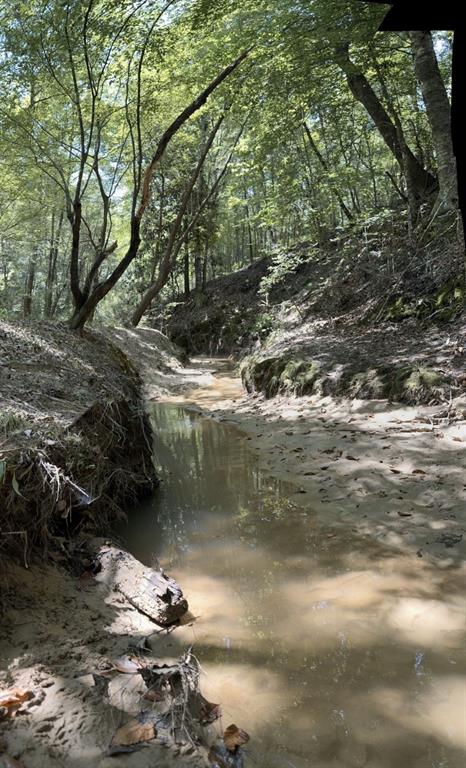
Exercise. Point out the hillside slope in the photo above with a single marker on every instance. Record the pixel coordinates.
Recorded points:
(350, 318)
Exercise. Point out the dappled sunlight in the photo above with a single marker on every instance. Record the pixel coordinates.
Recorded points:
(248, 694)
(223, 386)
(219, 612)
(296, 620)
(432, 623)
(437, 710)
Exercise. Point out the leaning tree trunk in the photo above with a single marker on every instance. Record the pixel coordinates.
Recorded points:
(344, 208)
(90, 301)
(82, 315)
(420, 180)
(439, 115)
(173, 246)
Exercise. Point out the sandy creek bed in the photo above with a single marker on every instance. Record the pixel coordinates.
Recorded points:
(328, 644)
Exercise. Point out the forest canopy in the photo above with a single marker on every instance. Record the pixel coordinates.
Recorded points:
(149, 146)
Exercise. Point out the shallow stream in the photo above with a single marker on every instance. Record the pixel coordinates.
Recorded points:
(328, 648)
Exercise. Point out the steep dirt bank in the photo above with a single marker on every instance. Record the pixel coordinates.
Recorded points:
(75, 440)
(348, 318)
(163, 366)
(223, 319)
(402, 362)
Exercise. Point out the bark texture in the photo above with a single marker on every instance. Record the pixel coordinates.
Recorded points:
(152, 592)
(439, 115)
(419, 179)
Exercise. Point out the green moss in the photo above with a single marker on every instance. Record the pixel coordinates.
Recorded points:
(449, 300)
(400, 309)
(445, 304)
(424, 379)
(417, 385)
(370, 384)
(280, 375)
(290, 375)
(408, 383)
(308, 380)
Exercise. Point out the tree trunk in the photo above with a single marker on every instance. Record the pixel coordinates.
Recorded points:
(439, 115)
(29, 286)
(75, 220)
(173, 247)
(204, 266)
(421, 181)
(89, 303)
(198, 258)
(324, 164)
(81, 315)
(198, 267)
(187, 286)
(52, 265)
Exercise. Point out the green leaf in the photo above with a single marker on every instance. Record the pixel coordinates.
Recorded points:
(15, 485)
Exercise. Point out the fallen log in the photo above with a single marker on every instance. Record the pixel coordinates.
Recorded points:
(151, 592)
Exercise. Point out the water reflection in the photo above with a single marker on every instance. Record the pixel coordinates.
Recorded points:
(331, 651)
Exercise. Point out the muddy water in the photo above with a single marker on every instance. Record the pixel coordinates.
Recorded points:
(329, 649)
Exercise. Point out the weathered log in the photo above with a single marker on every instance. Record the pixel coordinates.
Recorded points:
(152, 592)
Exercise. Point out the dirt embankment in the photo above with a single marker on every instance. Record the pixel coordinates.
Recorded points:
(400, 362)
(75, 443)
(222, 319)
(75, 450)
(365, 316)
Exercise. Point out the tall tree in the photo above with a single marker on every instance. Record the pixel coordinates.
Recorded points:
(439, 113)
(421, 181)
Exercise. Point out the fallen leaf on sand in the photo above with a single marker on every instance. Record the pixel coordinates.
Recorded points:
(12, 699)
(132, 733)
(210, 712)
(126, 666)
(234, 737)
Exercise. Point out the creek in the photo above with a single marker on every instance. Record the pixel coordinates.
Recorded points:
(328, 648)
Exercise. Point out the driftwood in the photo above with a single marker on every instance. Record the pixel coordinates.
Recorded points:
(152, 592)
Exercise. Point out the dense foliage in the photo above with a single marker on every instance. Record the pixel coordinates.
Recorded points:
(147, 147)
